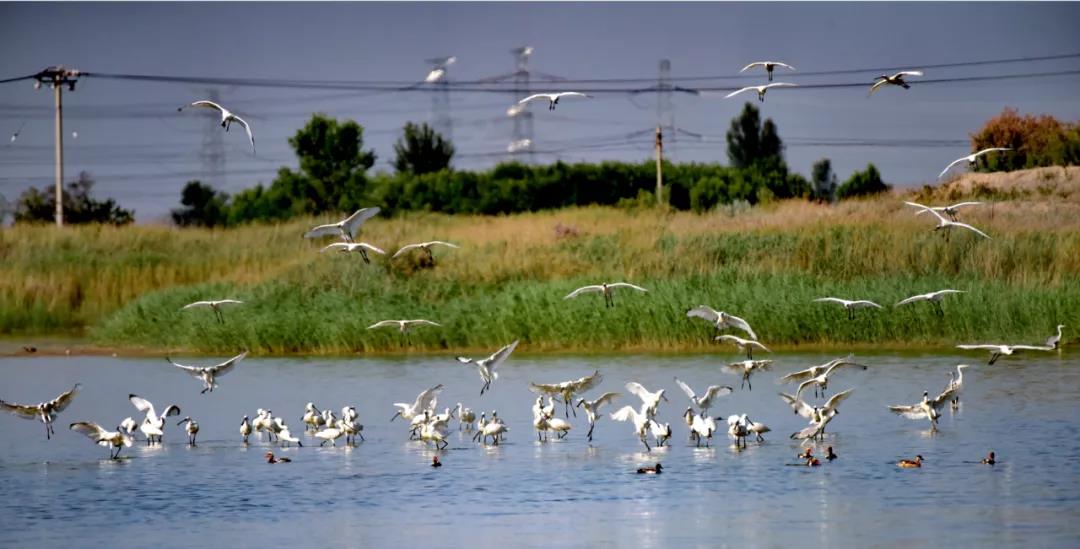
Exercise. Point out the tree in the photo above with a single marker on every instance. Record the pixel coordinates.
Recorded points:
(750, 143)
(824, 181)
(421, 150)
(865, 183)
(37, 206)
(205, 206)
(1035, 141)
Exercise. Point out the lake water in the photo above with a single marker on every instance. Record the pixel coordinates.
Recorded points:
(523, 493)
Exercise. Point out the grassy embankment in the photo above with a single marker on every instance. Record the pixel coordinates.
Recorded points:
(508, 280)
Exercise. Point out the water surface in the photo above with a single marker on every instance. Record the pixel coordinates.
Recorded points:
(382, 492)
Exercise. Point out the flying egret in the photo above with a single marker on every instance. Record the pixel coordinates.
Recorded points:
(821, 381)
(152, 425)
(215, 305)
(592, 409)
(404, 325)
(227, 118)
(971, 158)
(553, 98)
(997, 350)
(347, 228)
(720, 319)
(117, 439)
(814, 371)
(606, 289)
(425, 401)
(849, 305)
(640, 419)
(769, 66)
(45, 411)
(760, 89)
(927, 408)
(209, 375)
(951, 210)
(426, 247)
(896, 80)
(743, 344)
(818, 416)
(486, 366)
(362, 247)
(746, 368)
(705, 401)
(128, 426)
(567, 389)
(933, 297)
(947, 224)
(649, 400)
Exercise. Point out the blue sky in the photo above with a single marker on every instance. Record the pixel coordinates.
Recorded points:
(142, 151)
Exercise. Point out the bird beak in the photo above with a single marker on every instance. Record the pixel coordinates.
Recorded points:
(665, 398)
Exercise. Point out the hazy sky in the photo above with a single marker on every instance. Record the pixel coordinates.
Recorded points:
(141, 151)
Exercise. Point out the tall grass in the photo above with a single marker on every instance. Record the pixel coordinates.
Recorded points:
(511, 273)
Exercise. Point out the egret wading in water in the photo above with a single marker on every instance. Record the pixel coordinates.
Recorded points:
(153, 425)
(116, 439)
(849, 305)
(347, 228)
(192, 429)
(956, 384)
(245, 429)
(592, 409)
(1054, 341)
(486, 366)
(227, 118)
(606, 289)
(362, 247)
(210, 374)
(640, 419)
(44, 411)
(819, 416)
(821, 381)
(425, 401)
(214, 305)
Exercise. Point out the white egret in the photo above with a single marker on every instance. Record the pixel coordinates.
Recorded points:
(747, 345)
(245, 429)
(153, 425)
(661, 433)
(971, 158)
(927, 408)
(607, 289)
(425, 401)
(330, 435)
(192, 429)
(592, 409)
(849, 305)
(552, 98)
(896, 80)
(821, 381)
(746, 368)
(946, 224)
(761, 89)
(649, 400)
(640, 419)
(998, 350)
(738, 429)
(209, 375)
(466, 417)
(769, 66)
(486, 366)
(215, 305)
(128, 426)
(285, 437)
(362, 247)
(951, 210)
(45, 411)
(956, 384)
(117, 439)
(720, 319)
(426, 247)
(814, 371)
(346, 228)
(567, 389)
(227, 118)
(703, 427)
(705, 401)
(933, 297)
(404, 325)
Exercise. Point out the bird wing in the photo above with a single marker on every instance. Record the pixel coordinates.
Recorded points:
(382, 323)
(1031, 348)
(142, 404)
(404, 249)
(947, 291)
(781, 85)
(353, 222)
(836, 399)
(627, 285)
(247, 129)
(65, 398)
(337, 246)
(910, 412)
(803, 409)
(951, 164)
(785, 65)
(426, 399)
(423, 321)
(441, 243)
(534, 97)
(544, 388)
(988, 346)
(742, 325)
(962, 204)
(803, 385)
(732, 338)
(737, 92)
(945, 396)
(908, 73)
(624, 414)
(585, 383)
(990, 150)
(970, 228)
(866, 303)
(171, 410)
(229, 302)
(21, 410)
(370, 247)
(193, 370)
(832, 300)
(752, 65)
(686, 389)
(717, 390)
(583, 290)
(917, 205)
(572, 94)
(807, 432)
(877, 85)
(207, 105)
(604, 399)
(705, 312)
(196, 304)
(638, 390)
(797, 376)
(914, 298)
(501, 355)
(224, 367)
(90, 429)
(330, 229)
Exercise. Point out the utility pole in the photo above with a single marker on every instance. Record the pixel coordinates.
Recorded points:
(58, 77)
(665, 116)
(659, 166)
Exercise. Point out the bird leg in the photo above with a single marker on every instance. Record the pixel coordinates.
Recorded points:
(589, 434)
(646, 443)
(749, 387)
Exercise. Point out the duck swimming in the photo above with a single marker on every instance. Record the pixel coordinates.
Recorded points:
(909, 464)
(435, 461)
(654, 470)
(271, 459)
(989, 459)
(830, 455)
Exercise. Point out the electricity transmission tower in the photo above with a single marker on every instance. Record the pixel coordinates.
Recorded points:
(521, 139)
(665, 112)
(212, 152)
